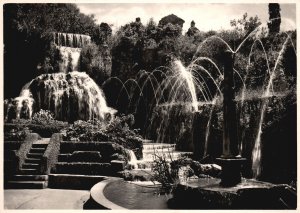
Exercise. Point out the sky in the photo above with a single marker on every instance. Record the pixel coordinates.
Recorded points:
(207, 16)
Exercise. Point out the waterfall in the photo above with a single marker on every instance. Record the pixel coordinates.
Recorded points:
(70, 46)
(73, 96)
(71, 40)
(133, 160)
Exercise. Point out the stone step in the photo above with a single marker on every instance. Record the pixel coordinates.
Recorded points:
(151, 146)
(63, 157)
(31, 166)
(35, 155)
(29, 178)
(43, 141)
(39, 145)
(24, 171)
(37, 150)
(32, 160)
(171, 149)
(26, 184)
(152, 156)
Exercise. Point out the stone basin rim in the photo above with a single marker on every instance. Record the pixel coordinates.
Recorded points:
(98, 196)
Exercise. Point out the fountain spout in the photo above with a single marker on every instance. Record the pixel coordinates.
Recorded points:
(230, 161)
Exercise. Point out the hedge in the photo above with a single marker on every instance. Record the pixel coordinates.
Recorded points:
(45, 131)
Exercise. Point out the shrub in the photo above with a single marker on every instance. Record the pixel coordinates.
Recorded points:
(117, 131)
(16, 135)
(165, 174)
(15, 132)
(45, 131)
(42, 122)
(42, 116)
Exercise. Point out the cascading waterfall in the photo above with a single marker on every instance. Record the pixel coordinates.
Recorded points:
(71, 97)
(151, 151)
(71, 40)
(133, 160)
(70, 46)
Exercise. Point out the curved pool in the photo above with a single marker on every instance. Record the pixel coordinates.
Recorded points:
(135, 196)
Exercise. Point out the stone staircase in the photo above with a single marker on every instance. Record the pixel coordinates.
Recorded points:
(30, 176)
(152, 151)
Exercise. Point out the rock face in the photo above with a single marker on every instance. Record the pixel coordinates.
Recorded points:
(173, 19)
(250, 194)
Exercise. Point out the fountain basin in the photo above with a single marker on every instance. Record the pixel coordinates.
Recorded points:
(206, 193)
(118, 194)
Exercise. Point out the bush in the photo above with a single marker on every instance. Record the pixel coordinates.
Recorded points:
(42, 122)
(42, 116)
(117, 131)
(15, 132)
(164, 173)
(45, 131)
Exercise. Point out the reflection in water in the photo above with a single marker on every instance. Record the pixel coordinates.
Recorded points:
(133, 196)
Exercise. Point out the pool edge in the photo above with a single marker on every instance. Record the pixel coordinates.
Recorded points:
(98, 197)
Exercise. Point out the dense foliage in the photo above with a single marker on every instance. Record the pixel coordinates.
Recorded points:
(15, 132)
(42, 122)
(96, 61)
(118, 130)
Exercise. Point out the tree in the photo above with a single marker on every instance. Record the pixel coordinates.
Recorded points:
(104, 33)
(245, 25)
(274, 18)
(151, 29)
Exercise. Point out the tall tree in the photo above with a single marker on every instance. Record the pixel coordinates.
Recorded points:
(274, 18)
(245, 25)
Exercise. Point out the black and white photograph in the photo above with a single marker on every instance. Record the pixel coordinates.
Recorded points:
(149, 106)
